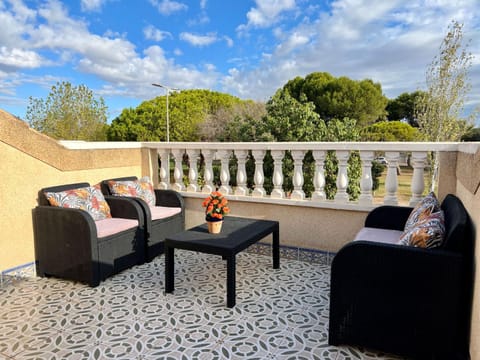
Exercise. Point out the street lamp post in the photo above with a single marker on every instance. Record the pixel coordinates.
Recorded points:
(167, 90)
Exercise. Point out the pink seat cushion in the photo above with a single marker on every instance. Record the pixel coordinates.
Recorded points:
(112, 226)
(162, 212)
(379, 235)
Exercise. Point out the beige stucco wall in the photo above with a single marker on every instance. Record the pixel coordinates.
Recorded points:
(329, 230)
(30, 161)
(467, 189)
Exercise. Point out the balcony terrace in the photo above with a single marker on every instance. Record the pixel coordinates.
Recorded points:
(279, 314)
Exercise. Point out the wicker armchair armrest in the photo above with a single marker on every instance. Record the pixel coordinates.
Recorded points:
(53, 222)
(65, 239)
(124, 207)
(169, 198)
(388, 217)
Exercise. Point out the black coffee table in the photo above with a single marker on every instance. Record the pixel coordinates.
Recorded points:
(237, 234)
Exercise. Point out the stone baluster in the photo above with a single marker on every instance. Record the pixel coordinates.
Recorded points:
(277, 177)
(164, 155)
(208, 172)
(241, 188)
(258, 177)
(319, 176)
(417, 160)
(391, 181)
(366, 182)
(193, 170)
(178, 171)
(297, 193)
(224, 155)
(342, 177)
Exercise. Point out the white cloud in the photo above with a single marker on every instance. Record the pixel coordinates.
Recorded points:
(167, 7)
(152, 33)
(386, 41)
(267, 13)
(295, 40)
(203, 4)
(111, 59)
(91, 5)
(201, 19)
(228, 40)
(199, 40)
(18, 58)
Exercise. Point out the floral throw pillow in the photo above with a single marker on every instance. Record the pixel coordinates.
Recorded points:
(89, 199)
(427, 233)
(428, 205)
(141, 188)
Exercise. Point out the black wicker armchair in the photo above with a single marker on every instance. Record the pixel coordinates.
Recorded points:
(157, 229)
(401, 299)
(68, 244)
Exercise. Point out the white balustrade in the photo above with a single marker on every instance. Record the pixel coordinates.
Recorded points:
(224, 152)
(241, 188)
(391, 181)
(277, 177)
(178, 171)
(298, 193)
(366, 182)
(225, 187)
(208, 172)
(258, 177)
(164, 171)
(418, 161)
(319, 176)
(342, 178)
(193, 171)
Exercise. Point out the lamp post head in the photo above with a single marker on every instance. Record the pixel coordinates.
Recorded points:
(168, 88)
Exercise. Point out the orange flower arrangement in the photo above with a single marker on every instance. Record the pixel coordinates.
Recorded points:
(216, 206)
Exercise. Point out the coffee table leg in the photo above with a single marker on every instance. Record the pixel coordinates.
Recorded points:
(169, 269)
(276, 247)
(231, 269)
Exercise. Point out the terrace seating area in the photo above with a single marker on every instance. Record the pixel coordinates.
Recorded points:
(280, 314)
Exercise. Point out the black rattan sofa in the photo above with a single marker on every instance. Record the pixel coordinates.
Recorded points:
(401, 299)
(68, 246)
(157, 229)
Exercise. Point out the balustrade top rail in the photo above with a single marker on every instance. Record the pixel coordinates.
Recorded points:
(373, 146)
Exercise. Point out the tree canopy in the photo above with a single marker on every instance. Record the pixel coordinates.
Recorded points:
(439, 109)
(389, 131)
(338, 98)
(188, 109)
(472, 135)
(69, 113)
(403, 107)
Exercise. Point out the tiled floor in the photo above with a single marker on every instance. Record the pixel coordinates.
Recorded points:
(280, 314)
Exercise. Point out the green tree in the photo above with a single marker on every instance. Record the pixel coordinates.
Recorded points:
(239, 122)
(188, 109)
(69, 113)
(339, 98)
(290, 120)
(389, 131)
(439, 110)
(472, 135)
(403, 107)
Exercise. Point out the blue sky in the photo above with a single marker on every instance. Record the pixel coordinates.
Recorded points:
(246, 48)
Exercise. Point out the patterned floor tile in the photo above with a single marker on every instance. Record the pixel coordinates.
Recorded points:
(280, 313)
